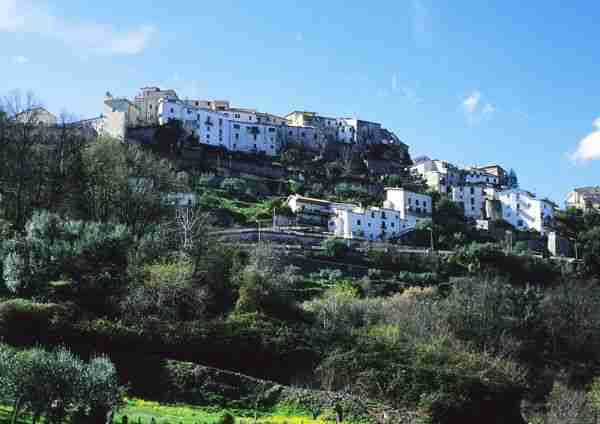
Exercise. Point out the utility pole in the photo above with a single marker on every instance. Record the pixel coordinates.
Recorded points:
(431, 234)
(258, 222)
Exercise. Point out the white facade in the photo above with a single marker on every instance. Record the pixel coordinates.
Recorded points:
(472, 196)
(439, 175)
(370, 223)
(476, 176)
(524, 211)
(119, 113)
(299, 204)
(37, 116)
(585, 198)
(181, 199)
(147, 103)
(413, 207)
(222, 128)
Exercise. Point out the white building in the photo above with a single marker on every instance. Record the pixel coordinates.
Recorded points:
(181, 199)
(37, 116)
(147, 103)
(438, 174)
(413, 207)
(471, 197)
(524, 211)
(232, 129)
(477, 176)
(119, 113)
(584, 198)
(369, 223)
(299, 204)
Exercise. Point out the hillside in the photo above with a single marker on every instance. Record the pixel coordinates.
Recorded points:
(146, 299)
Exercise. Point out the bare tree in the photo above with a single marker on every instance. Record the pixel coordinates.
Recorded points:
(190, 221)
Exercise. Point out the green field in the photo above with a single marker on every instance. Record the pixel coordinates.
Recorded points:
(141, 411)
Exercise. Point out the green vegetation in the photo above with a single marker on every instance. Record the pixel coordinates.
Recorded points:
(139, 294)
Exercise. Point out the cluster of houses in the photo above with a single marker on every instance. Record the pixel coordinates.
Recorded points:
(217, 123)
(487, 194)
(484, 193)
(402, 211)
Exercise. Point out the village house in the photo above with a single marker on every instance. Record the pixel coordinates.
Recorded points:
(584, 199)
(373, 224)
(524, 211)
(414, 207)
(36, 116)
(471, 197)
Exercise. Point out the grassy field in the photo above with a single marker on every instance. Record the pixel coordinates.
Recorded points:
(141, 411)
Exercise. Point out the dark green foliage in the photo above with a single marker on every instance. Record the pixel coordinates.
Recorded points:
(334, 248)
(26, 322)
(490, 259)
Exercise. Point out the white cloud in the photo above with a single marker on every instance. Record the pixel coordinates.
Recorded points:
(21, 60)
(475, 109)
(588, 148)
(35, 17)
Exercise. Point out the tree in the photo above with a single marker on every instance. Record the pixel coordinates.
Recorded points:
(511, 180)
(100, 394)
(54, 384)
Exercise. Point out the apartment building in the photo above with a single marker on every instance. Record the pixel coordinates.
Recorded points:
(438, 174)
(147, 103)
(413, 207)
(373, 224)
(524, 211)
(472, 198)
(584, 199)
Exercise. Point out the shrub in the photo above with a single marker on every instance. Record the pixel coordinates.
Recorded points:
(26, 322)
(334, 248)
(226, 418)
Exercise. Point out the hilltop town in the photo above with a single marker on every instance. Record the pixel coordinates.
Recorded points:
(404, 193)
(200, 245)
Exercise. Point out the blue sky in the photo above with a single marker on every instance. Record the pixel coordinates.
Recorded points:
(511, 82)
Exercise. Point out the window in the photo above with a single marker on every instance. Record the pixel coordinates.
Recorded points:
(237, 116)
(220, 133)
(417, 201)
(472, 190)
(197, 104)
(392, 224)
(358, 222)
(198, 117)
(255, 146)
(220, 121)
(250, 118)
(424, 204)
(236, 126)
(290, 133)
(237, 136)
(302, 134)
(172, 111)
(372, 214)
(271, 129)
